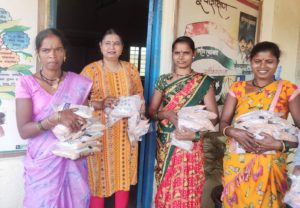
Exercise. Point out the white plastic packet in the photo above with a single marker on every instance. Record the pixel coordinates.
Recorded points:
(129, 107)
(137, 127)
(126, 107)
(82, 110)
(183, 144)
(75, 154)
(292, 197)
(74, 145)
(196, 118)
(268, 122)
(77, 144)
(62, 132)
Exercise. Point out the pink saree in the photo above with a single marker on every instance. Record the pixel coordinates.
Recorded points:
(52, 181)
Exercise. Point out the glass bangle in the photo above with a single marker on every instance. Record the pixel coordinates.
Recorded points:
(40, 126)
(286, 146)
(197, 136)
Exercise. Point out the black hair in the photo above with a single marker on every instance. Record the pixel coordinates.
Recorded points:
(250, 40)
(266, 46)
(242, 38)
(184, 39)
(111, 31)
(50, 32)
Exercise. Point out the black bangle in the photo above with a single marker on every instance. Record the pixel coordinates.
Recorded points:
(286, 145)
(40, 126)
(197, 136)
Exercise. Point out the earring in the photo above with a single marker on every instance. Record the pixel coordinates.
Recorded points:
(65, 58)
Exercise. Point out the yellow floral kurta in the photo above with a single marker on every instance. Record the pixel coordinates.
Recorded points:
(114, 168)
(256, 180)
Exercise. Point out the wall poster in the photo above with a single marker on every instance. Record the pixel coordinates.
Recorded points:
(18, 27)
(224, 31)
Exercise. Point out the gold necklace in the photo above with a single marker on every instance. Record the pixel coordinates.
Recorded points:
(53, 83)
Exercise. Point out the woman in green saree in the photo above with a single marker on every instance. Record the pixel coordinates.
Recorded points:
(179, 173)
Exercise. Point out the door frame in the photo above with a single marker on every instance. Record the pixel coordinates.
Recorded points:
(148, 144)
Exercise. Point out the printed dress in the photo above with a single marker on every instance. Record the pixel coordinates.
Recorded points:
(114, 168)
(256, 180)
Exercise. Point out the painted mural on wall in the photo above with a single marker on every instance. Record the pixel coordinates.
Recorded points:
(224, 31)
(16, 59)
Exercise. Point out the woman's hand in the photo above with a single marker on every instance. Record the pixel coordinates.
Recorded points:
(244, 138)
(296, 170)
(268, 143)
(110, 102)
(71, 120)
(171, 116)
(184, 134)
(143, 116)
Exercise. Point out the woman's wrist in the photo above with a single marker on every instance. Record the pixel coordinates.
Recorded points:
(40, 126)
(157, 116)
(197, 136)
(279, 145)
(97, 105)
(50, 121)
(226, 131)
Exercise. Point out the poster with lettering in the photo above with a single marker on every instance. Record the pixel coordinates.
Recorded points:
(216, 26)
(18, 26)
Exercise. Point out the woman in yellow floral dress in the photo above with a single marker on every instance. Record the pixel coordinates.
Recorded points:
(254, 179)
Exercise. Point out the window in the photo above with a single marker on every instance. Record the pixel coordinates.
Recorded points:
(138, 58)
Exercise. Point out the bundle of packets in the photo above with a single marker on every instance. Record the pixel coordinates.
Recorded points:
(137, 127)
(81, 143)
(129, 107)
(292, 196)
(268, 122)
(194, 118)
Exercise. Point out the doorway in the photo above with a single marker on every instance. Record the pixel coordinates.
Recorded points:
(83, 23)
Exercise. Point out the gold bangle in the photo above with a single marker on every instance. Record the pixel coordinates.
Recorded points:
(50, 122)
(224, 130)
(283, 146)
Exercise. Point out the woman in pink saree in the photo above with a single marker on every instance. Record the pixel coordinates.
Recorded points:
(51, 181)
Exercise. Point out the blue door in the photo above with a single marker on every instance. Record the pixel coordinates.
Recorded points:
(148, 145)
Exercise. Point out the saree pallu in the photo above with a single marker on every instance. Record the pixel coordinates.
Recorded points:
(256, 180)
(52, 181)
(179, 173)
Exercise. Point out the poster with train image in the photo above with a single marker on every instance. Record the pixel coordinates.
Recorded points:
(17, 58)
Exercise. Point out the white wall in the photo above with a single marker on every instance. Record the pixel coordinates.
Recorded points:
(280, 24)
(11, 182)
(167, 36)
